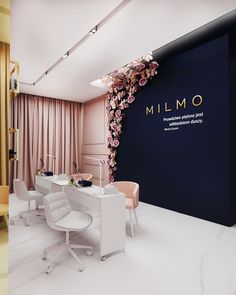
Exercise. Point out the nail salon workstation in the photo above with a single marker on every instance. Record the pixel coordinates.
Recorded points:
(148, 209)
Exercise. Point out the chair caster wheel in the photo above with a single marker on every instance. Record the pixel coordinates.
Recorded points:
(49, 270)
(103, 258)
(81, 268)
(89, 252)
(44, 258)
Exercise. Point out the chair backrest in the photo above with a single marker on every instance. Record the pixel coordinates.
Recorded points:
(56, 206)
(20, 190)
(131, 190)
(4, 194)
(85, 176)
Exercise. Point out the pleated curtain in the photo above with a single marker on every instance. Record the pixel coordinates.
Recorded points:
(47, 127)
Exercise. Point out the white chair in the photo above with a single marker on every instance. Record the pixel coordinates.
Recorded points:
(61, 217)
(23, 194)
(131, 190)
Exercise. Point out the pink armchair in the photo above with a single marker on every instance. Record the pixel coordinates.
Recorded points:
(131, 190)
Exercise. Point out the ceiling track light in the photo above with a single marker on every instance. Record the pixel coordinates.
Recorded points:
(93, 31)
(81, 41)
(66, 55)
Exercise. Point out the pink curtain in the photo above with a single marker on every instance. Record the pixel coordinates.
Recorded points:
(47, 127)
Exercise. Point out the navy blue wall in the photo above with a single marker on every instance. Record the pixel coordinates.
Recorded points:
(185, 169)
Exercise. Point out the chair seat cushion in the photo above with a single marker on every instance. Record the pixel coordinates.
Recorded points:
(35, 195)
(75, 221)
(3, 209)
(129, 203)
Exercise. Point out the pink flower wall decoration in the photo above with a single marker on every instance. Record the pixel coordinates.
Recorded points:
(124, 83)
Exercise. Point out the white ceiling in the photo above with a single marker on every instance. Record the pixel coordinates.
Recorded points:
(43, 30)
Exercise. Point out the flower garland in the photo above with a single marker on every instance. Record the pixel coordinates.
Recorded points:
(124, 83)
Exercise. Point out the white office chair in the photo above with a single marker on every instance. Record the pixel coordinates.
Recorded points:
(27, 196)
(61, 217)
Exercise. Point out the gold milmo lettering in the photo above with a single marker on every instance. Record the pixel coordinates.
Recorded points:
(149, 110)
(198, 103)
(166, 108)
(181, 103)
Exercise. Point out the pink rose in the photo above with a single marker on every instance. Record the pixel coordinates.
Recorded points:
(109, 95)
(118, 113)
(154, 65)
(142, 81)
(130, 98)
(113, 126)
(116, 143)
(140, 66)
(108, 108)
(111, 115)
(119, 85)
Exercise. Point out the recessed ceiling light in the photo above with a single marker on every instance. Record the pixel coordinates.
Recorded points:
(100, 83)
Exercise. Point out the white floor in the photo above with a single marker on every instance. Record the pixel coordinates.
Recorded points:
(3, 259)
(171, 254)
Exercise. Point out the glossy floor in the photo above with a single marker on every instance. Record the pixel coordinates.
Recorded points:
(3, 258)
(171, 253)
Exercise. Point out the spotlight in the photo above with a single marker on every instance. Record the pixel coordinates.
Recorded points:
(93, 31)
(66, 54)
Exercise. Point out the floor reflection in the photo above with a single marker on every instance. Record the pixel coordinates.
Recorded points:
(3, 258)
